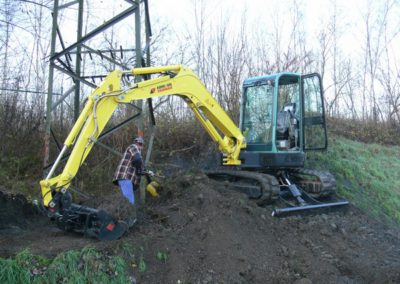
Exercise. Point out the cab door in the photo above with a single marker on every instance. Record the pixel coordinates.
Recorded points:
(314, 123)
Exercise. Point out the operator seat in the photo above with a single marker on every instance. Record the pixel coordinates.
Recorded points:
(286, 123)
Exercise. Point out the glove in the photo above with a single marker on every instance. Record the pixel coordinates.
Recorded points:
(152, 189)
(151, 173)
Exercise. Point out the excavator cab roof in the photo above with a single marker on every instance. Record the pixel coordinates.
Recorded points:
(287, 77)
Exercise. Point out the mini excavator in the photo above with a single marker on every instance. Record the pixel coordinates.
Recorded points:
(281, 117)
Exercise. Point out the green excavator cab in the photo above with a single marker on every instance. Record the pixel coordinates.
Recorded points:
(282, 115)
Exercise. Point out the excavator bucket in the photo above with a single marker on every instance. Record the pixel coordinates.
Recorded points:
(91, 222)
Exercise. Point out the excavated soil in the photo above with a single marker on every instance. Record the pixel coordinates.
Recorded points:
(208, 234)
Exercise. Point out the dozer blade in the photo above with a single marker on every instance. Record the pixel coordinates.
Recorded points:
(91, 222)
(300, 200)
(287, 210)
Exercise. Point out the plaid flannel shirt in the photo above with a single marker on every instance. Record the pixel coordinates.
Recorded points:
(126, 169)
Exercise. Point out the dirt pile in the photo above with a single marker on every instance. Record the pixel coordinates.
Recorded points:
(214, 235)
(22, 226)
(208, 234)
(15, 211)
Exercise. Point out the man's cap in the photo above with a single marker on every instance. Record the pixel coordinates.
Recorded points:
(138, 140)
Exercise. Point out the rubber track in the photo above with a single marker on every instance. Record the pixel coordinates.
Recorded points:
(269, 184)
(323, 184)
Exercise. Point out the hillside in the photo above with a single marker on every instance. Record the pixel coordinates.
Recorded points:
(200, 232)
(367, 174)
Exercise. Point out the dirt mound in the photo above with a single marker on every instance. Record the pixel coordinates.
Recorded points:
(22, 225)
(200, 232)
(214, 235)
(15, 211)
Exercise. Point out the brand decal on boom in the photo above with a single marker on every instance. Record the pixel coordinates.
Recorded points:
(165, 87)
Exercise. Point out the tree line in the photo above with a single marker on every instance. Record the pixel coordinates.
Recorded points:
(363, 86)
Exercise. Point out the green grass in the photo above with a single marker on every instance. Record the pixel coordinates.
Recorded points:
(162, 256)
(85, 266)
(367, 174)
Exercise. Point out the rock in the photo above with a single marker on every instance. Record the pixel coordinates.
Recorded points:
(303, 281)
(285, 264)
(174, 207)
(325, 233)
(324, 217)
(334, 226)
(249, 267)
(132, 279)
(203, 234)
(200, 198)
(327, 255)
(303, 227)
(345, 279)
(362, 229)
(207, 279)
(285, 251)
(247, 273)
(191, 215)
(312, 223)
(247, 209)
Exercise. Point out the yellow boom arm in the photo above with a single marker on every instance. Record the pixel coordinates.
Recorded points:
(174, 80)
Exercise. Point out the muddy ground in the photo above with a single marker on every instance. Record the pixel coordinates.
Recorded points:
(205, 233)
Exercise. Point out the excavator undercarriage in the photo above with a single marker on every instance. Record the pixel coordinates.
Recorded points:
(298, 189)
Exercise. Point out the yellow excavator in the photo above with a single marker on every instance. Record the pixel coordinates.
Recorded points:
(281, 117)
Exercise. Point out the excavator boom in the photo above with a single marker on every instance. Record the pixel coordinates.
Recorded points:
(101, 104)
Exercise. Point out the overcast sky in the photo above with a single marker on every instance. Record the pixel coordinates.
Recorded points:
(179, 14)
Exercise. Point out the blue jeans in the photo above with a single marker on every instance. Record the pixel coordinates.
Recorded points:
(127, 189)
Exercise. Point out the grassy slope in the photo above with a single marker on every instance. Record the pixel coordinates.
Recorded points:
(85, 266)
(367, 174)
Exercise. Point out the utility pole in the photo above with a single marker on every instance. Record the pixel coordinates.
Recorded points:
(78, 61)
(138, 64)
(50, 87)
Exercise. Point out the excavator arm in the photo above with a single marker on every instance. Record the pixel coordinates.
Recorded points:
(101, 104)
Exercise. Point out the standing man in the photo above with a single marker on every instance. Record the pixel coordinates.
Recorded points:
(128, 173)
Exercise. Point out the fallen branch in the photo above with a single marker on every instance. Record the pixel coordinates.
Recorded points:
(181, 150)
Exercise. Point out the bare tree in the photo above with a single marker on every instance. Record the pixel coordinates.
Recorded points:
(388, 75)
(375, 43)
(8, 13)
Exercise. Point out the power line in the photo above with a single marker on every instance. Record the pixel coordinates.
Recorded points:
(26, 91)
